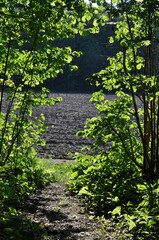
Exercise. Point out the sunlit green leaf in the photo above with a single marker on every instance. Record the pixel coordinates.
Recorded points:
(117, 211)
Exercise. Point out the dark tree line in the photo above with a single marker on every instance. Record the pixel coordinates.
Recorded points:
(96, 49)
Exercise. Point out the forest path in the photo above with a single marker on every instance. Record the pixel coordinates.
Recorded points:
(63, 215)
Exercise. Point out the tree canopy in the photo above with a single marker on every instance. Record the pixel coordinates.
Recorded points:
(27, 59)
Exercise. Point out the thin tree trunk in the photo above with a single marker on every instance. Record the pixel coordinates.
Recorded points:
(5, 71)
(157, 147)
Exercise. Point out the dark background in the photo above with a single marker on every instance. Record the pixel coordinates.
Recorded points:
(96, 49)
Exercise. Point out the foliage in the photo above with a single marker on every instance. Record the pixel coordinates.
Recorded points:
(27, 59)
(24, 68)
(103, 182)
(117, 190)
(18, 179)
(121, 178)
(133, 72)
(14, 227)
(21, 177)
(143, 221)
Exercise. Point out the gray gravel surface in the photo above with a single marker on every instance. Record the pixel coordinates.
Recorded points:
(64, 216)
(64, 120)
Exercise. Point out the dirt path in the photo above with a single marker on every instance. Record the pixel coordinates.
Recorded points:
(63, 216)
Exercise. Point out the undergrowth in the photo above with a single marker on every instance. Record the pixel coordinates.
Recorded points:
(119, 193)
(19, 179)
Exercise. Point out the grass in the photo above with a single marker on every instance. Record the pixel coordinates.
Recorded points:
(56, 172)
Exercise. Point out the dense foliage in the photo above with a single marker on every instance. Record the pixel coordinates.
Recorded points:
(124, 173)
(27, 59)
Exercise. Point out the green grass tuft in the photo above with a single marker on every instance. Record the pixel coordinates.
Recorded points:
(56, 172)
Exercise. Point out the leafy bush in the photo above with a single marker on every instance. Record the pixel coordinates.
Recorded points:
(27, 29)
(110, 177)
(13, 226)
(103, 183)
(21, 176)
(118, 192)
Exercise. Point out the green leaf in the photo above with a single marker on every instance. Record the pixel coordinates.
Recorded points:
(111, 40)
(96, 11)
(84, 191)
(84, 18)
(95, 22)
(117, 211)
(146, 42)
(74, 174)
(132, 224)
(69, 59)
(141, 187)
(130, 221)
(144, 203)
(139, 66)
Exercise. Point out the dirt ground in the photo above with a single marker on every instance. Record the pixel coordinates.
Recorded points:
(64, 216)
(64, 120)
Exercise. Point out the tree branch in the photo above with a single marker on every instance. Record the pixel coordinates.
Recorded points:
(126, 151)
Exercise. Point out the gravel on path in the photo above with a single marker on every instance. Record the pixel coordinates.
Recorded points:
(63, 215)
